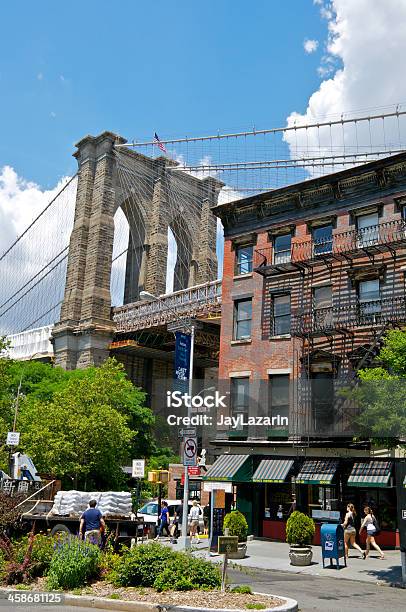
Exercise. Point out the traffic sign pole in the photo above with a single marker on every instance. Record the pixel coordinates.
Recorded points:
(185, 540)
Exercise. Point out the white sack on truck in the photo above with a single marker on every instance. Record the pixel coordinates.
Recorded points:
(110, 503)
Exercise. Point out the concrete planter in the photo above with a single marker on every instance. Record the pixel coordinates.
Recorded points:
(241, 552)
(289, 605)
(101, 603)
(300, 555)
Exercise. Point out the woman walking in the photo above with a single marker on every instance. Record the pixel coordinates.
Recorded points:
(370, 524)
(350, 531)
(164, 520)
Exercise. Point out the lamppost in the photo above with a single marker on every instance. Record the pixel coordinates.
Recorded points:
(184, 541)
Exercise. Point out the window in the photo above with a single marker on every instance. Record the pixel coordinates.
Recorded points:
(279, 400)
(369, 300)
(322, 303)
(322, 239)
(282, 246)
(240, 388)
(322, 401)
(242, 319)
(281, 315)
(243, 259)
(368, 231)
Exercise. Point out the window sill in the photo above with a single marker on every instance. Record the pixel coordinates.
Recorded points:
(245, 341)
(281, 337)
(241, 276)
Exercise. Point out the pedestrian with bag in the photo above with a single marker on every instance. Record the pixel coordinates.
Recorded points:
(371, 525)
(177, 520)
(350, 531)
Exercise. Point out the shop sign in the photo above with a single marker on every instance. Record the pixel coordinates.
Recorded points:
(216, 486)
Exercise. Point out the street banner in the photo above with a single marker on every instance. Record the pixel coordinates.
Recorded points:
(182, 356)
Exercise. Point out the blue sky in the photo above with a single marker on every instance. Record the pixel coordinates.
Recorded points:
(72, 68)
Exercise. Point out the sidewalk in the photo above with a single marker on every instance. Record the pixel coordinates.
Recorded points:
(267, 555)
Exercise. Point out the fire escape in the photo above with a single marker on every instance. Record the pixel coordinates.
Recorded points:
(349, 331)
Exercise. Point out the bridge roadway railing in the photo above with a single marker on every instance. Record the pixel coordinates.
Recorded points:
(190, 302)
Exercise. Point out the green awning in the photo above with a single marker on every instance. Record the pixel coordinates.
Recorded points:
(370, 474)
(230, 468)
(317, 471)
(272, 470)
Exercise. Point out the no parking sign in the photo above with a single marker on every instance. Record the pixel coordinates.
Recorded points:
(189, 451)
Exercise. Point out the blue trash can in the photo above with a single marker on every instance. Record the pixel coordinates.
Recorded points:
(332, 543)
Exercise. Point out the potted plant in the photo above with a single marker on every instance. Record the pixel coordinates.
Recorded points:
(299, 534)
(235, 524)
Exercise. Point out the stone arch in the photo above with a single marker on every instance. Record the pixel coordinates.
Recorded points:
(85, 329)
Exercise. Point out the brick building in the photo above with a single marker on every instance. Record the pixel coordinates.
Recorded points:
(314, 274)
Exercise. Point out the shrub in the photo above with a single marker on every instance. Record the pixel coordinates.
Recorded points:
(185, 573)
(73, 563)
(109, 562)
(244, 588)
(299, 529)
(42, 551)
(236, 524)
(139, 566)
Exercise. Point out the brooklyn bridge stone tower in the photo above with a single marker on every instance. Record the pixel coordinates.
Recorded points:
(85, 329)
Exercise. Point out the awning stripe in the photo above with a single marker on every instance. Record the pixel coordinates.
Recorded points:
(272, 470)
(225, 467)
(317, 471)
(370, 474)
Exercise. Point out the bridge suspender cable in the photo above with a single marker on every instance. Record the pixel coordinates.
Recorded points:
(38, 217)
(254, 132)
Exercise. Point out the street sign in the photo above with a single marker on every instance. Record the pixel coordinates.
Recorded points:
(227, 544)
(194, 470)
(187, 433)
(138, 470)
(189, 451)
(13, 438)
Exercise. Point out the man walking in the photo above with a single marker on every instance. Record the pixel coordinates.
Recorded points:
(92, 523)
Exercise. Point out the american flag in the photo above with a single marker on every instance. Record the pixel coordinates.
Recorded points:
(159, 143)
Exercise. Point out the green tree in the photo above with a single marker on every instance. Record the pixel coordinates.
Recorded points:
(381, 395)
(6, 400)
(83, 425)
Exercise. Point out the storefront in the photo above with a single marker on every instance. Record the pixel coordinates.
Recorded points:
(237, 470)
(268, 490)
(372, 483)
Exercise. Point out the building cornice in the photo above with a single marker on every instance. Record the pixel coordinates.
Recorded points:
(332, 190)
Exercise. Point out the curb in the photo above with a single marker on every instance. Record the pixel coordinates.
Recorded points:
(103, 603)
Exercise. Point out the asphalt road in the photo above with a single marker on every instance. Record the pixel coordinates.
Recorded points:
(320, 593)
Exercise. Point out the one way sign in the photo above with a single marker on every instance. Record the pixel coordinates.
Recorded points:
(189, 451)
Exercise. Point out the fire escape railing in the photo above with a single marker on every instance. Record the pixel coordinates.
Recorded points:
(189, 302)
(339, 244)
(374, 313)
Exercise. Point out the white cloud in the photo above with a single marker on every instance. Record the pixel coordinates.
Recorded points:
(40, 76)
(310, 45)
(20, 202)
(366, 46)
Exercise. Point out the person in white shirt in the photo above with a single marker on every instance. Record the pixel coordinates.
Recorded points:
(194, 520)
(370, 524)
